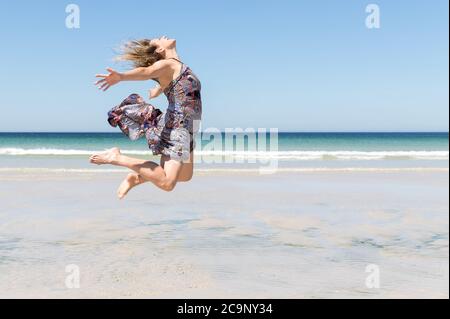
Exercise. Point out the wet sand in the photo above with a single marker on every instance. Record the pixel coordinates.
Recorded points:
(227, 235)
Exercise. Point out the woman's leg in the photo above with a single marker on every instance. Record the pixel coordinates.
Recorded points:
(187, 170)
(134, 179)
(163, 177)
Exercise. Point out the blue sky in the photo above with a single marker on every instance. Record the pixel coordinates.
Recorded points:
(294, 65)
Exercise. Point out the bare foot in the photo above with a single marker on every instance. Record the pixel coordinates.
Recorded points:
(107, 157)
(129, 182)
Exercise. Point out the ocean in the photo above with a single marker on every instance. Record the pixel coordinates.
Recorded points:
(291, 150)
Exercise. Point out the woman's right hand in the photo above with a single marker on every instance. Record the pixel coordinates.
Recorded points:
(108, 80)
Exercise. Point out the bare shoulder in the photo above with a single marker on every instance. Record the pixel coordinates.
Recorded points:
(166, 70)
(162, 64)
(161, 69)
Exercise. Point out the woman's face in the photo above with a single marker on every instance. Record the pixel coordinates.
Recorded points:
(163, 43)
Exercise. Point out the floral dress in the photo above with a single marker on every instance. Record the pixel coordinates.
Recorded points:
(169, 133)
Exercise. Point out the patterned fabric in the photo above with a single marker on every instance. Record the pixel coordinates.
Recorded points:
(185, 104)
(170, 133)
(131, 115)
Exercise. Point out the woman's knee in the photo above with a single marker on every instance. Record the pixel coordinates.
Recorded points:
(186, 173)
(185, 177)
(168, 185)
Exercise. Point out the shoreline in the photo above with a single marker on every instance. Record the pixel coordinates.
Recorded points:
(231, 171)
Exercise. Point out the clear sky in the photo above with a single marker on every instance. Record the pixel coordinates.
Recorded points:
(297, 65)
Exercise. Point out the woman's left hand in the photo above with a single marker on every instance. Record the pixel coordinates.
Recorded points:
(108, 80)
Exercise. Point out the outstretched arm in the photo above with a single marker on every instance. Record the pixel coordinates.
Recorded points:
(138, 74)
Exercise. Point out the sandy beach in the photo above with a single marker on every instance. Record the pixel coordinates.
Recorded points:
(226, 235)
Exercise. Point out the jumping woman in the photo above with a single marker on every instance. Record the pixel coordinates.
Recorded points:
(169, 134)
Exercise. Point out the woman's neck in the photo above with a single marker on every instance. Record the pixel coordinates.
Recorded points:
(172, 54)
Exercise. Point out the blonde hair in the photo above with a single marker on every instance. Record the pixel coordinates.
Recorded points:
(140, 53)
